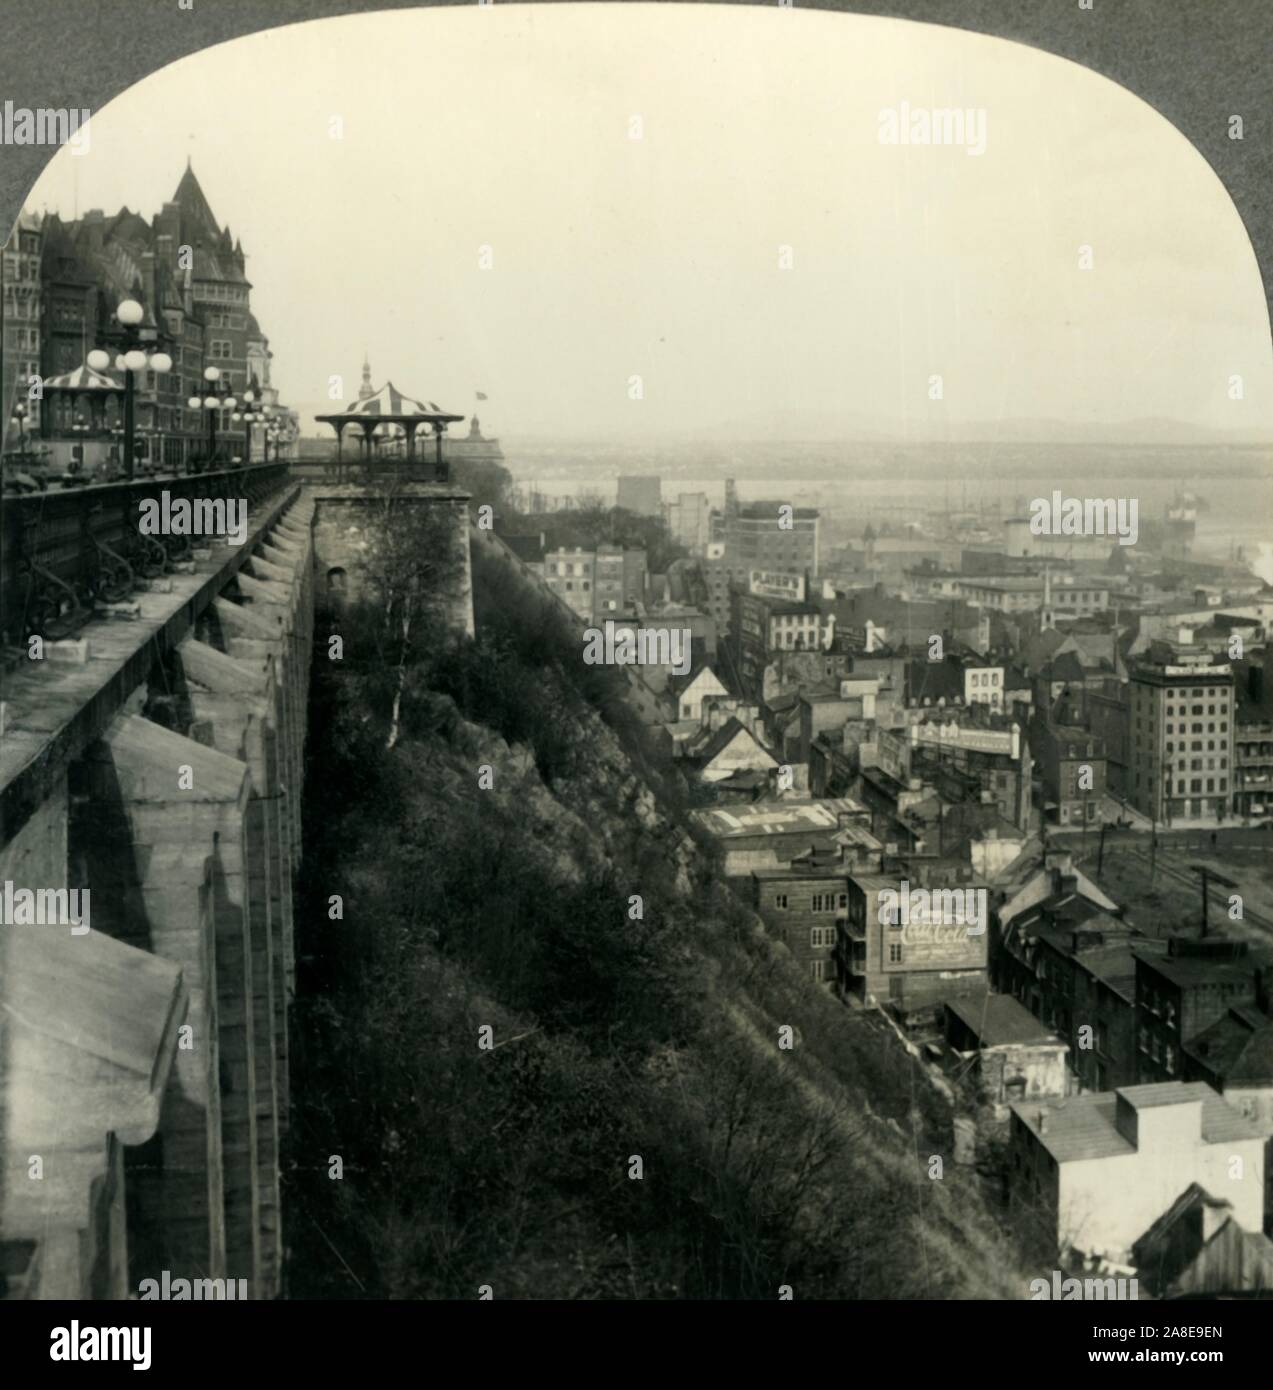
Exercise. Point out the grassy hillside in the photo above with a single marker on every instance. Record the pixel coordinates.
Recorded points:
(633, 1129)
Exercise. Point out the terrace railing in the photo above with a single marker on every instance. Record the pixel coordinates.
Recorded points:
(65, 552)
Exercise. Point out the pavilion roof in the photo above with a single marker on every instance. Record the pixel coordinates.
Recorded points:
(390, 404)
(83, 378)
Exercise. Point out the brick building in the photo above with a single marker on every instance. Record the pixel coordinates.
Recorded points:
(1181, 734)
(802, 906)
(910, 965)
(1182, 994)
(1072, 762)
(21, 314)
(188, 273)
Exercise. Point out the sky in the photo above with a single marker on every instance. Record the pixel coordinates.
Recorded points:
(459, 192)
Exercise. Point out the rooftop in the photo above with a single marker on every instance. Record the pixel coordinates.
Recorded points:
(1237, 1047)
(997, 1020)
(1083, 1126)
(776, 817)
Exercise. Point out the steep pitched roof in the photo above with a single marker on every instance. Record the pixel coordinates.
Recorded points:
(1172, 1245)
(677, 684)
(1237, 1047)
(1065, 667)
(216, 256)
(196, 212)
(724, 736)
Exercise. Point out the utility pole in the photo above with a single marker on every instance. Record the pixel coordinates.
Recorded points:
(1208, 873)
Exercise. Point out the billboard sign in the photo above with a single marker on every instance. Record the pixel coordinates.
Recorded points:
(776, 584)
(937, 928)
(970, 739)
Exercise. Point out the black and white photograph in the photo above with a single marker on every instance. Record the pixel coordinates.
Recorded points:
(634, 665)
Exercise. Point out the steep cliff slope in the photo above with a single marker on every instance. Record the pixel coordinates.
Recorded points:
(546, 1043)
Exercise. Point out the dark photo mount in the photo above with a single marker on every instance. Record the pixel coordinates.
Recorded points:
(532, 856)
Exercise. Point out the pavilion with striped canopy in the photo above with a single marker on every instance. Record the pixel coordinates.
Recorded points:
(386, 411)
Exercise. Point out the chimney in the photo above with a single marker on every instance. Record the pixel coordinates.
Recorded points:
(1264, 988)
(1043, 1121)
(149, 287)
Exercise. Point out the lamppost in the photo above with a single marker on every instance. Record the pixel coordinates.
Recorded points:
(217, 399)
(251, 412)
(19, 417)
(79, 428)
(131, 361)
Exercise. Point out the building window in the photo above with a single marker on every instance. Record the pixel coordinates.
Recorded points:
(818, 969)
(780, 900)
(895, 953)
(821, 936)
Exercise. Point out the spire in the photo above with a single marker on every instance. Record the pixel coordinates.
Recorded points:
(366, 390)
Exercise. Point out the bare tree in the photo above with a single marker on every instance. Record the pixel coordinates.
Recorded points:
(414, 571)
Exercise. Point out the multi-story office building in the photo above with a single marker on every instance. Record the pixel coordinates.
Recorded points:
(608, 582)
(1067, 598)
(20, 310)
(761, 624)
(1181, 734)
(640, 493)
(772, 536)
(689, 521)
(1253, 741)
